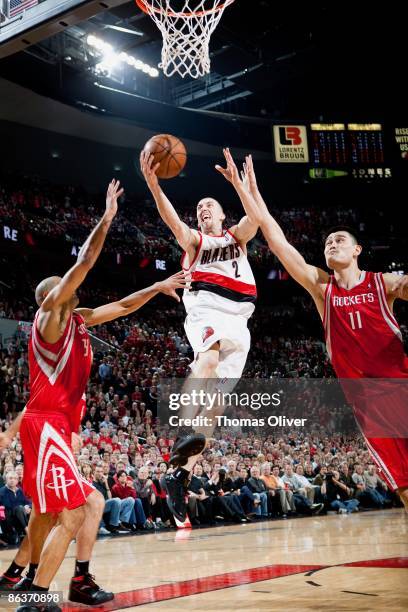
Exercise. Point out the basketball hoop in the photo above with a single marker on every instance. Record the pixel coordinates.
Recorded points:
(186, 33)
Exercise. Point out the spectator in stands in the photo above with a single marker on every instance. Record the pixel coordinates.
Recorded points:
(124, 490)
(86, 471)
(258, 488)
(275, 485)
(222, 506)
(20, 473)
(338, 495)
(307, 488)
(303, 505)
(375, 485)
(17, 509)
(116, 510)
(285, 494)
(202, 501)
(319, 478)
(346, 476)
(146, 492)
(364, 493)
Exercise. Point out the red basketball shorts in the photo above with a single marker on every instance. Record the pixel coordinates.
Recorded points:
(51, 475)
(391, 458)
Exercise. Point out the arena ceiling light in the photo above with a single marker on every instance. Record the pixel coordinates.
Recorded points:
(110, 59)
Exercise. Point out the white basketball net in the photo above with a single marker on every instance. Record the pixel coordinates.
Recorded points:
(186, 33)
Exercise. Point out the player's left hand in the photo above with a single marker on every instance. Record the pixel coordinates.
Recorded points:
(169, 286)
(76, 442)
(400, 288)
(231, 171)
(114, 192)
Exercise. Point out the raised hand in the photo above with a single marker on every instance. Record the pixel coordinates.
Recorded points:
(248, 176)
(230, 173)
(169, 286)
(114, 192)
(149, 170)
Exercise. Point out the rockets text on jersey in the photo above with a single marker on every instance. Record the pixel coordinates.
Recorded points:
(363, 338)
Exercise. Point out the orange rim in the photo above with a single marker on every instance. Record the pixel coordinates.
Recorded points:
(143, 5)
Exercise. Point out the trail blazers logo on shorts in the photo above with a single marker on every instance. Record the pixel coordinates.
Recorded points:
(207, 333)
(291, 144)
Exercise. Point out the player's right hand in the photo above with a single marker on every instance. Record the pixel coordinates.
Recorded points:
(169, 286)
(149, 169)
(230, 173)
(76, 442)
(112, 196)
(248, 175)
(5, 440)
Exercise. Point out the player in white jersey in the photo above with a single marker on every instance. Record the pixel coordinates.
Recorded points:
(219, 301)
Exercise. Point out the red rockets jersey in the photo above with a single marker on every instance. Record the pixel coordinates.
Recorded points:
(59, 372)
(363, 338)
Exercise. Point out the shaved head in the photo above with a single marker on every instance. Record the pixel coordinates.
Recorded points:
(43, 288)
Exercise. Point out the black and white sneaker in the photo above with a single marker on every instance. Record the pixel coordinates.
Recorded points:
(185, 447)
(176, 496)
(24, 584)
(7, 583)
(84, 590)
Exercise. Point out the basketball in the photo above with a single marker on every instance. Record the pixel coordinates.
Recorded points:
(169, 152)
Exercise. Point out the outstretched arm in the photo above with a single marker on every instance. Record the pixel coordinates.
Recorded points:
(88, 254)
(248, 226)
(310, 277)
(6, 437)
(396, 286)
(185, 236)
(133, 302)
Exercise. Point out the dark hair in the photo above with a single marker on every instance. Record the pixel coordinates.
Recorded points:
(120, 473)
(342, 228)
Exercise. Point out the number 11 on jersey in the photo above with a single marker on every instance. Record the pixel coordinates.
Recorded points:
(355, 320)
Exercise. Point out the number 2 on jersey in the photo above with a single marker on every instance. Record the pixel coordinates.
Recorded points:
(355, 322)
(235, 266)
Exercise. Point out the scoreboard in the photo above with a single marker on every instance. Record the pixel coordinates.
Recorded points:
(367, 143)
(362, 151)
(329, 144)
(352, 144)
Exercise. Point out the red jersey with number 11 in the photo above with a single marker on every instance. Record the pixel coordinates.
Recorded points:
(363, 338)
(59, 372)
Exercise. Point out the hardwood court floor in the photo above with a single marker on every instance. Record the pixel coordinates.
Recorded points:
(337, 562)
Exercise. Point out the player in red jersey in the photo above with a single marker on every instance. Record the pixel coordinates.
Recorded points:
(362, 335)
(60, 358)
(85, 539)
